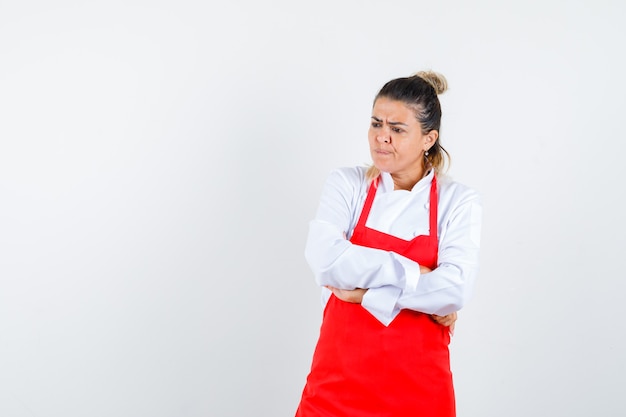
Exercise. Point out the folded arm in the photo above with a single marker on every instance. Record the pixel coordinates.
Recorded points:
(337, 262)
(449, 286)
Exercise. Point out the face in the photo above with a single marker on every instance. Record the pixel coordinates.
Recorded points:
(397, 143)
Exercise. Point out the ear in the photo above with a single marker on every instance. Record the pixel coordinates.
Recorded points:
(430, 139)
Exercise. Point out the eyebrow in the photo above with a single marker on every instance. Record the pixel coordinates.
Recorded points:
(390, 123)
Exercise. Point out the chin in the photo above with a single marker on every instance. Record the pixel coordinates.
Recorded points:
(382, 167)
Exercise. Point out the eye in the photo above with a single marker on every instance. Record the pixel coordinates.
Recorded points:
(397, 129)
(376, 124)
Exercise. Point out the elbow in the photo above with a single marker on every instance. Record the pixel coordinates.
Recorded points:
(452, 306)
(459, 290)
(456, 298)
(323, 257)
(320, 267)
(316, 260)
(462, 295)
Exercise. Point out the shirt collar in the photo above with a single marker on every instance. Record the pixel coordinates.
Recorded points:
(387, 182)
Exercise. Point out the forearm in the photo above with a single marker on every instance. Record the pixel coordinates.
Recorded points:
(448, 287)
(442, 291)
(337, 262)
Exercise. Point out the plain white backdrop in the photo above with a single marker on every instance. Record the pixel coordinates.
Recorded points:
(160, 161)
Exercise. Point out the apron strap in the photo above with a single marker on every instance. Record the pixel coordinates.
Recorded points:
(433, 208)
(371, 192)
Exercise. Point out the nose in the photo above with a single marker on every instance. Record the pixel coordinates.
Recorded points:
(383, 136)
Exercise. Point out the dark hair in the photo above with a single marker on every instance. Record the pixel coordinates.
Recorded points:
(420, 92)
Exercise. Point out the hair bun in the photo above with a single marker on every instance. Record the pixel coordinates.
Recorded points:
(438, 81)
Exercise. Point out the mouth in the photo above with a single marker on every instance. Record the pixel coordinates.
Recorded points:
(382, 152)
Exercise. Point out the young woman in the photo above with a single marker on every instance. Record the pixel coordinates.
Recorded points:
(395, 247)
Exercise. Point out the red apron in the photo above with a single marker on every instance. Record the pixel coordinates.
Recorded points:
(362, 368)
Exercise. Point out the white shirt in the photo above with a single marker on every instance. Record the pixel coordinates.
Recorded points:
(394, 281)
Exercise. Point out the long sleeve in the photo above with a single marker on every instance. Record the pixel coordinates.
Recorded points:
(448, 287)
(335, 260)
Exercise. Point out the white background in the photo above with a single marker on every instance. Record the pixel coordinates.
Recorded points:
(160, 161)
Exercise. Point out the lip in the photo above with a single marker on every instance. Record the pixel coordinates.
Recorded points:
(382, 152)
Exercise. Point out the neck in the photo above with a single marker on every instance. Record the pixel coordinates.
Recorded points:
(407, 181)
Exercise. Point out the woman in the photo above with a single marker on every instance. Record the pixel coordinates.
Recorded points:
(395, 247)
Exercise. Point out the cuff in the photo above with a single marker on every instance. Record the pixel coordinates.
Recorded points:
(411, 272)
(381, 303)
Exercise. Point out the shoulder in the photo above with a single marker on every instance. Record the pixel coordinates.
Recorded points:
(344, 187)
(351, 177)
(456, 193)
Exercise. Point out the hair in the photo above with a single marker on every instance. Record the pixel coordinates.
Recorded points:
(420, 92)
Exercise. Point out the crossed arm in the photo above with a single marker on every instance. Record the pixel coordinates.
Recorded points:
(356, 296)
(385, 282)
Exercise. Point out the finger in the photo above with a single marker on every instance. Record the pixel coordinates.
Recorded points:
(332, 289)
(443, 320)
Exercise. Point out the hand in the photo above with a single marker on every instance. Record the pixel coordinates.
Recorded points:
(447, 321)
(351, 296)
(425, 269)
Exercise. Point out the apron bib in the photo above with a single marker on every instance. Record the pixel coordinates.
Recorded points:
(361, 368)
